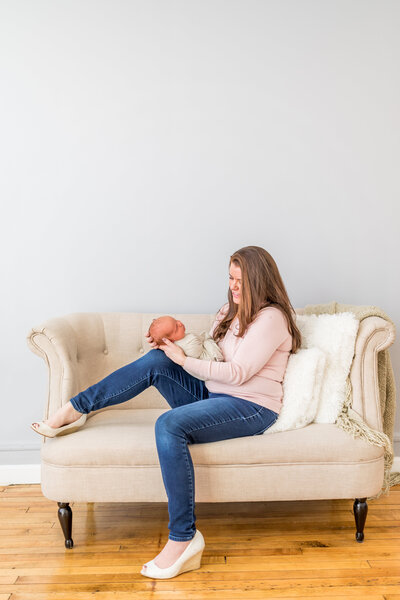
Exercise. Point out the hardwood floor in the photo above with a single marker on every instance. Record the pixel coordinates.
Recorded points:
(257, 550)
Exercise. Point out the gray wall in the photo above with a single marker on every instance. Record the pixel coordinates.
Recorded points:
(143, 142)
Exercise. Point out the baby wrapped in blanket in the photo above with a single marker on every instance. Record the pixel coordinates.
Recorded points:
(200, 346)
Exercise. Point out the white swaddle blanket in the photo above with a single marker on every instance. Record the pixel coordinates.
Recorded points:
(200, 346)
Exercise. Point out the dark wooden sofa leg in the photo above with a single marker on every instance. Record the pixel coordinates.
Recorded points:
(65, 518)
(360, 509)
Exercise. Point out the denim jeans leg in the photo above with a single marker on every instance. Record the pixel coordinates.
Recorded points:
(216, 418)
(154, 368)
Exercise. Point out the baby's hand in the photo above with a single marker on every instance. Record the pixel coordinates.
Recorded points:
(149, 339)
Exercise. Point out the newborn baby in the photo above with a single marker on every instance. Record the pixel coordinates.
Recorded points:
(198, 346)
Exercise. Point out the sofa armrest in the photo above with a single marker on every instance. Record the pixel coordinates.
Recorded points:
(55, 341)
(375, 334)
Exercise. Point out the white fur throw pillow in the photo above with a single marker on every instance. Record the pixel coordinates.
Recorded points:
(301, 390)
(336, 336)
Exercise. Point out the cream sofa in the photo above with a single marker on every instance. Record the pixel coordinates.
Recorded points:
(113, 458)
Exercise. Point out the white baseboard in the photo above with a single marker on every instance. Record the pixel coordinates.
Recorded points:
(14, 474)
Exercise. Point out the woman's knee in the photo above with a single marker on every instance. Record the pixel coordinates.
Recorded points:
(157, 357)
(154, 352)
(154, 360)
(165, 424)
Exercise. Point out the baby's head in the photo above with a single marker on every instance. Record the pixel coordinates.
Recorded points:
(166, 327)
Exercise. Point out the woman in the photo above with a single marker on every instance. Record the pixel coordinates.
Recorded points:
(240, 396)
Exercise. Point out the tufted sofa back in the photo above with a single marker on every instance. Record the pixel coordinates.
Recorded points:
(83, 348)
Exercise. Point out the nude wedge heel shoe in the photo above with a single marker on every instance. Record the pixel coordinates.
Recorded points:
(51, 432)
(189, 560)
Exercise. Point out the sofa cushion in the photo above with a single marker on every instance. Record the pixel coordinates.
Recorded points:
(126, 438)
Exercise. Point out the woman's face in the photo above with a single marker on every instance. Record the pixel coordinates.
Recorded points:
(235, 282)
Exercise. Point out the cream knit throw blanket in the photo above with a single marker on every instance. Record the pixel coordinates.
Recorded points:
(348, 419)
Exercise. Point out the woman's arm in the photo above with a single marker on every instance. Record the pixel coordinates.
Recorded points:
(265, 334)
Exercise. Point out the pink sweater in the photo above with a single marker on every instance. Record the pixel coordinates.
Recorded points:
(254, 365)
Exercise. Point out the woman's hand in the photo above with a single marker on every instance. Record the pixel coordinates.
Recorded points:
(173, 351)
(150, 340)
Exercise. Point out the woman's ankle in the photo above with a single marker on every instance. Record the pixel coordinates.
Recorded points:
(73, 409)
(65, 415)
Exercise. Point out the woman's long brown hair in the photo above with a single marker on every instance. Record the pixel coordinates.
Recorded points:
(262, 286)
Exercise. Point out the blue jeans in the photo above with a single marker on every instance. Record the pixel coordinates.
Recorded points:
(197, 417)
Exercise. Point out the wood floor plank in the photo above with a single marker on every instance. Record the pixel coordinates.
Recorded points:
(97, 575)
(173, 595)
(121, 574)
(212, 565)
(195, 590)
